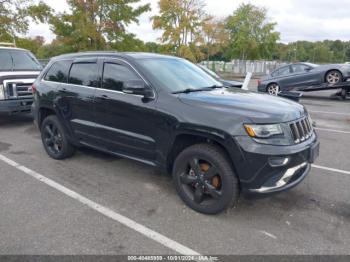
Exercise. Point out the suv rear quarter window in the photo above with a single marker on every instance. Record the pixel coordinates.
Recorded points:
(84, 74)
(58, 72)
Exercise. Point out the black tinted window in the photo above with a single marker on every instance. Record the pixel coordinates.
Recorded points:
(58, 72)
(83, 74)
(5, 60)
(115, 75)
(23, 60)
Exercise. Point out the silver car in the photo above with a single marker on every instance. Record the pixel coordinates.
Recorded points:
(304, 77)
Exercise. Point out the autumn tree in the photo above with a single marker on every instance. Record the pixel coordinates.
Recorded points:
(252, 36)
(181, 22)
(215, 36)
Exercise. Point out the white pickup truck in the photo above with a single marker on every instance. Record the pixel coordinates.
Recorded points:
(18, 70)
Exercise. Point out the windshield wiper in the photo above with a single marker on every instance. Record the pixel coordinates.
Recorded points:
(215, 86)
(190, 90)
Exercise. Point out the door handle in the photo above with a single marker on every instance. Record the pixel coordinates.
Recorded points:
(63, 90)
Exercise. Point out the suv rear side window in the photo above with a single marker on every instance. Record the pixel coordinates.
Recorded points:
(58, 72)
(84, 74)
(6, 60)
(114, 76)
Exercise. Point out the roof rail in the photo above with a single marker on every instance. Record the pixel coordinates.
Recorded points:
(7, 44)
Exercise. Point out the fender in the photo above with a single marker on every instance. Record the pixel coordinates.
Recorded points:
(62, 119)
(217, 136)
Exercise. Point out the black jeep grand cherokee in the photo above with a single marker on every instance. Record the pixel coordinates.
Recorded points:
(167, 112)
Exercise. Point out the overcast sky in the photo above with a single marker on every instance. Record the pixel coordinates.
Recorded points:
(296, 19)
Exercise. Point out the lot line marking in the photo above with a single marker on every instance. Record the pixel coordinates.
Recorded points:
(149, 233)
(332, 169)
(331, 113)
(333, 130)
(268, 234)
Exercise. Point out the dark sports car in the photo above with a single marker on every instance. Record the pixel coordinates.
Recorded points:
(304, 77)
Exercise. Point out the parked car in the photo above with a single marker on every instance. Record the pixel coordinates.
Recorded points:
(18, 71)
(304, 77)
(167, 112)
(225, 82)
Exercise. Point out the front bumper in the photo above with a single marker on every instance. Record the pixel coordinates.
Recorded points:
(268, 169)
(13, 106)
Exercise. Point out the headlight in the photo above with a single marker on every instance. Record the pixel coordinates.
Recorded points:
(263, 131)
(2, 92)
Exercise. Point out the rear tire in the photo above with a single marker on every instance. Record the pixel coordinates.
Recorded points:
(205, 180)
(55, 140)
(273, 89)
(334, 77)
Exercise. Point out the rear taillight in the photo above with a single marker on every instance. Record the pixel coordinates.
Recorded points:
(33, 89)
(259, 82)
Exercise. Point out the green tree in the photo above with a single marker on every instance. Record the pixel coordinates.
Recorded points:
(15, 15)
(55, 48)
(252, 36)
(96, 24)
(31, 44)
(322, 53)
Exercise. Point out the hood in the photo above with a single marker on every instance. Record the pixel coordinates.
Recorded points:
(258, 108)
(332, 66)
(18, 75)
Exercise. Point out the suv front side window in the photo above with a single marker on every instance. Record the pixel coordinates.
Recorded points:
(83, 74)
(114, 76)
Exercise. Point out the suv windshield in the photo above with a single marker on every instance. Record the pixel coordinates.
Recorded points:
(18, 60)
(210, 72)
(177, 74)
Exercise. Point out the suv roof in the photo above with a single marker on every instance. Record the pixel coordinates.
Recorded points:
(135, 55)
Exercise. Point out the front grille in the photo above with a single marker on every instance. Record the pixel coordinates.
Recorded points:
(21, 88)
(301, 130)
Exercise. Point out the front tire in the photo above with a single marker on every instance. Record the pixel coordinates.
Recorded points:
(334, 77)
(55, 140)
(205, 180)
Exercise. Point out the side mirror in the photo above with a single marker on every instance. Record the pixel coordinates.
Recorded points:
(307, 69)
(137, 87)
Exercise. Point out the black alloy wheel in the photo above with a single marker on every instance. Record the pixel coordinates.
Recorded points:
(54, 139)
(205, 180)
